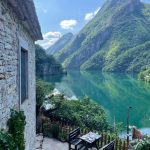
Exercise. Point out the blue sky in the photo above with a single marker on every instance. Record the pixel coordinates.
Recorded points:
(58, 17)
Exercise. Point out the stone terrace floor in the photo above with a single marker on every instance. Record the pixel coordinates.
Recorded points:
(49, 144)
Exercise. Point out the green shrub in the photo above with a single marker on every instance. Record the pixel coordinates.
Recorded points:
(14, 138)
(84, 113)
(6, 141)
(51, 130)
(47, 130)
(143, 144)
(55, 130)
(42, 89)
(40, 93)
(63, 136)
(16, 126)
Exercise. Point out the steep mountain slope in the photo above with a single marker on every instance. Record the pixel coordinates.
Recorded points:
(145, 75)
(117, 39)
(46, 64)
(59, 44)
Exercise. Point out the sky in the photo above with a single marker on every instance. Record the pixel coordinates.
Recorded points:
(58, 17)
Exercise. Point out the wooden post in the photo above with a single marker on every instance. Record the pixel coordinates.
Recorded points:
(116, 144)
(105, 139)
(108, 138)
(82, 131)
(124, 145)
(102, 139)
(120, 144)
(128, 117)
(111, 138)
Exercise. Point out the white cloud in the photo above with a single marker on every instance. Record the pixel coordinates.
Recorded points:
(91, 15)
(51, 35)
(49, 39)
(68, 24)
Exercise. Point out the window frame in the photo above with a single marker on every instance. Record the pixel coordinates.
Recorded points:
(22, 45)
(27, 76)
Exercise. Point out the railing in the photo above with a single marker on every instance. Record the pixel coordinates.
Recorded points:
(66, 127)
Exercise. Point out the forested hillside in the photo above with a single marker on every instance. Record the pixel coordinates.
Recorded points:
(117, 39)
(46, 64)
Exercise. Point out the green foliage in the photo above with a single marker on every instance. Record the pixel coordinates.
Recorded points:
(63, 136)
(83, 113)
(47, 130)
(116, 40)
(40, 93)
(6, 141)
(14, 138)
(145, 75)
(46, 64)
(51, 130)
(16, 126)
(42, 89)
(146, 11)
(132, 60)
(143, 144)
(55, 130)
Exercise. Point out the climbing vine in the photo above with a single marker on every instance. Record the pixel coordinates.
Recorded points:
(6, 141)
(13, 139)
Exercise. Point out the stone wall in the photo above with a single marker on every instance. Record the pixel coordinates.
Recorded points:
(11, 31)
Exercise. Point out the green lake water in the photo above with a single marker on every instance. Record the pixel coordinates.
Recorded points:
(115, 92)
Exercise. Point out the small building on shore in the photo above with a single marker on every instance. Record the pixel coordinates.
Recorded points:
(19, 29)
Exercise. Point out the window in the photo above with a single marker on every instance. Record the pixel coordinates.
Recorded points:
(24, 75)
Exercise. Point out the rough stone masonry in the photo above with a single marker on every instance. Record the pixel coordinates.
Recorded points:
(14, 35)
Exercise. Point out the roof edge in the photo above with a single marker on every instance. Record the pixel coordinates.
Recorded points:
(26, 12)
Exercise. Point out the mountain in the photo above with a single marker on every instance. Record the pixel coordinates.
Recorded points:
(46, 64)
(59, 44)
(117, 39)
(145, 75)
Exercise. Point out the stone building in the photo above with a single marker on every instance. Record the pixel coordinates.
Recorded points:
(19, 29)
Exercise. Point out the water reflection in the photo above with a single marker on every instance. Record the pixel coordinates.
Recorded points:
(115, 92)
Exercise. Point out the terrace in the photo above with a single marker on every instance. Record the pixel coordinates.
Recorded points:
(56, 129)
(43, 142)
(49, 144)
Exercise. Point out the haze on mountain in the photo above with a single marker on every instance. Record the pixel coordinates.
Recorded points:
(59, 44)
(117, 39)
